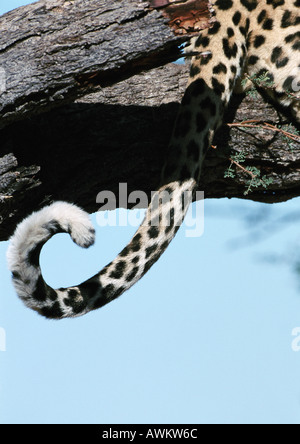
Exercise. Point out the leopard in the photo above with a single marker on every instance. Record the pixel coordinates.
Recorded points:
(247, 39)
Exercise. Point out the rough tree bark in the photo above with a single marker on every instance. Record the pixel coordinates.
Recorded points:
(85, 106)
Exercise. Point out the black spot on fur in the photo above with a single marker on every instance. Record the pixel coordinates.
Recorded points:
(205, 60)
(124, 252)
(237, 18)
(282, 63)
(89, 289)
(153, 232)
(132, 274)
(108, 292)
(230, 32)
(33, 256)
(275, 3)
(75, 300)
(268, 24)
(259, 41)
(151, 250)
(202, 41)
(40, 292)
(250, 4)
(224, 5)
(169, 190)
(296, 46)
(288, 19)
(52, 312)
(215, 29)
(229, 50)
(53, 227)
(195, 70)
(15, 275)
(171, 220)
(135, 244)
(220, 68)
(253, 60)
(151, 261)
(290, 38)
(218, 87)
(118, 272)
(197, 88)
(100, 302)
(261, 16)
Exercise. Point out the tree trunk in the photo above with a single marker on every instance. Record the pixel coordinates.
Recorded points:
(84, 107)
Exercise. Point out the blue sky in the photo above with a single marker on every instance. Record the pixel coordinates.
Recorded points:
(204, 337)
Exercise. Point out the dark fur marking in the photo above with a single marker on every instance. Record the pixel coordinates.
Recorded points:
(220, 68)
(230, 32)
(237, 18)
(33, 256)
(268, 24)
(153, 232)
(218, 87)
(253, 60)
(289, 20)
(135, 244)
(202, 41)
(16, 275)
(296, 46)
(205, 60)
(224, 5)
(118, 272)
(215, 29)
(275, 3)
(261, 16)
(151, 261)
(108, 292)
(171, 220)
(195, 70)
(40, 292)
(197, 87)
(151, 250)
(250, 4)
(229, 50)
(132, 274)
(53, 312)
(259, 41)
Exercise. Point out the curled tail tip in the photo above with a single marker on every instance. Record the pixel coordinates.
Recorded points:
(41, 225)
(75, 221)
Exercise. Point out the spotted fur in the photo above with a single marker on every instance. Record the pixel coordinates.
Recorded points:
(249, 37)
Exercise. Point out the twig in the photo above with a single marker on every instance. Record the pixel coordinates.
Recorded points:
(265, 125)
(242, 168)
